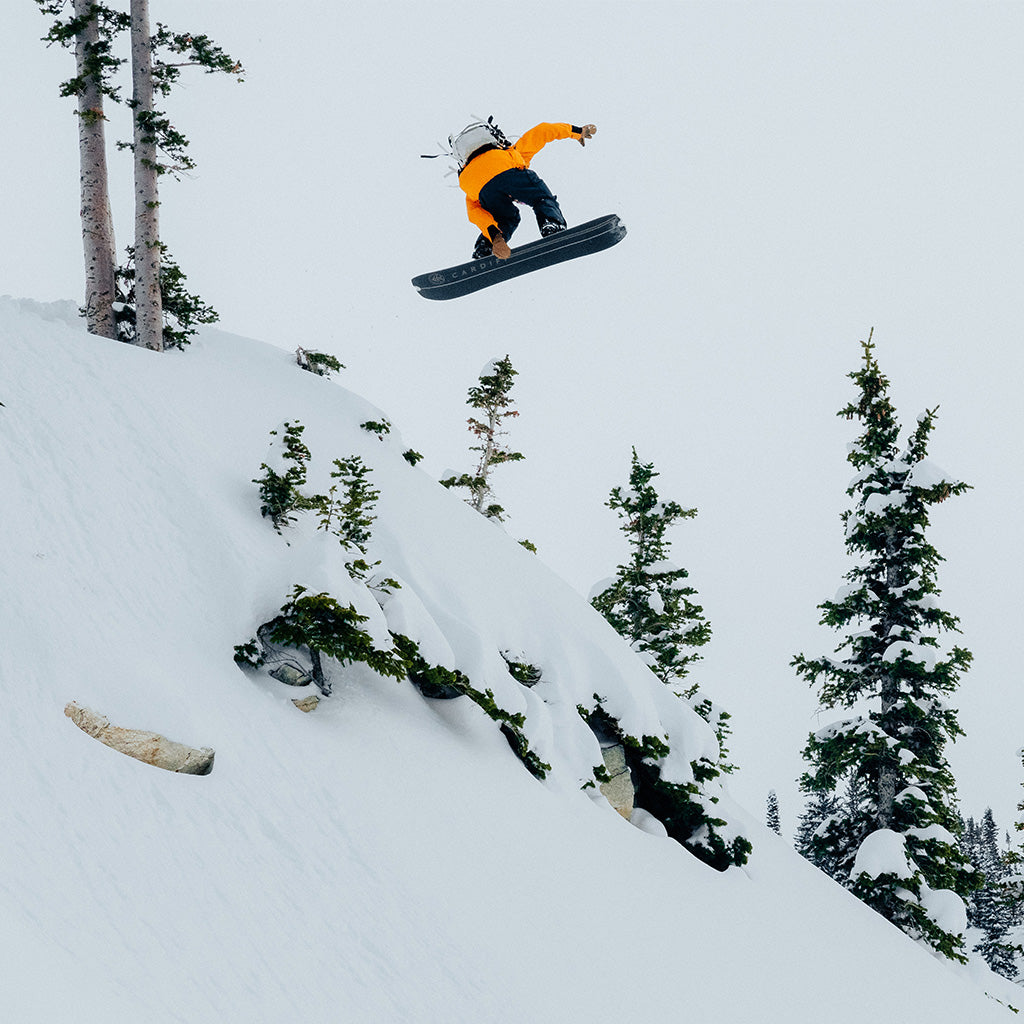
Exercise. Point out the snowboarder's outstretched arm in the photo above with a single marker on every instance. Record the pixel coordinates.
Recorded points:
(533, 141)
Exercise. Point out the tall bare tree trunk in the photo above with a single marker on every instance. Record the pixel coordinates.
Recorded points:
(97, 223)
(148, 304)
(888, 771)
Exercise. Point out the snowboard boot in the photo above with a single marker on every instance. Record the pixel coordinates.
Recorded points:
(483, 248)
(550, 227)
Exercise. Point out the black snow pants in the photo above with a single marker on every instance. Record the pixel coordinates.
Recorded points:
(518, 184)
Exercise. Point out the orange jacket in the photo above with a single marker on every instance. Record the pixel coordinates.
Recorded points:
(493, 162)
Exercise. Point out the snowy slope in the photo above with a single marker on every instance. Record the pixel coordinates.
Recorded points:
(385, 858)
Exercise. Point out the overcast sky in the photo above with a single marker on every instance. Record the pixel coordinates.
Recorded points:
(791, 176)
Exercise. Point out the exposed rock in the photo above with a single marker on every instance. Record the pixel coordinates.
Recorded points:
(619, 790)
(149, 747)
(307, 703)
(290, 675)
(434, 690)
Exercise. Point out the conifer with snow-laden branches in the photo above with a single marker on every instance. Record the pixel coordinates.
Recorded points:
(649, 600)
(896, 847)
(650, 603)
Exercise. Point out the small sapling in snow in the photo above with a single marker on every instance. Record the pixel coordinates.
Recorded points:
(491, 395)
(378, 427)
(281, 496)
(321, 363)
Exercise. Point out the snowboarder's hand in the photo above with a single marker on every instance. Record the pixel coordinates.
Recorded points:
(588, 131)
(500, 247)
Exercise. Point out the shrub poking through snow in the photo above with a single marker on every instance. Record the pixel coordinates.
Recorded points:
(281, 496)
(320, 363)
(319, 623)
(346, 510)
(323, 626)
(379, 427)
(437, 681)
(251, 654)
(349, 514)
(181, 309)
(896, 845)
(521, 671)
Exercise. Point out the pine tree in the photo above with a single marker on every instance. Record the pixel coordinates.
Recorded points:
(995, 908)
(819, 809)
(491, 395)
(281, 495)
(970, 845)
(90, 30)
(1019, 823)
(772, 818)
(1016, 854)
(649, 603)
(899, 839)
(151, 282)
(1015, 884)
(149, 313)
(159, 148)
(825, 834)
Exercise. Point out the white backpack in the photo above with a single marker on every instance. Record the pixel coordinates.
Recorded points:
(474, 137)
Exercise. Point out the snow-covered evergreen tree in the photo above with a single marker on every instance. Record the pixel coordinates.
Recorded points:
(818, 809)
(772, 819)
(1016, 855)
(649, 600)
(970, 845)
(995, 908)
(899, 840)
(1015, 885)
(649, 603)
(824, 834)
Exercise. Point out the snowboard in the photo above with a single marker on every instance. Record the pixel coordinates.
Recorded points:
(581, 240)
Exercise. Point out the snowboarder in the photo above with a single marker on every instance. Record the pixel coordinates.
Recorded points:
(495, 175)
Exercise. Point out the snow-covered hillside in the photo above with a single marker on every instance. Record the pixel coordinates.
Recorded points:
(385, 858)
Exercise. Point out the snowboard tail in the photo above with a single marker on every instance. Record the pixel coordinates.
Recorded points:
(582, 240)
